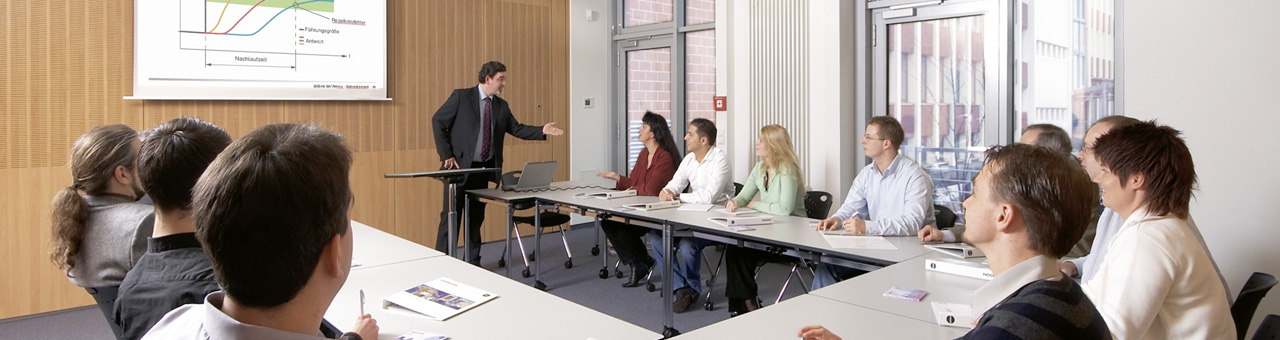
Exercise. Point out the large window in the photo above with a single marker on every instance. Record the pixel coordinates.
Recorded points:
(1065, 57)
(959, 83)
(667, 52)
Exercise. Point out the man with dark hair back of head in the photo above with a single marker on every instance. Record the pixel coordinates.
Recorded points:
(1028, 208)
(892, 196)
(281, 192)
(174, 271)
(1158, 280)
(1049, 136)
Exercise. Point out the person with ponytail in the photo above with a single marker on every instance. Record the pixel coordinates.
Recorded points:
(778, 180)
(654, 168)
(99, 231)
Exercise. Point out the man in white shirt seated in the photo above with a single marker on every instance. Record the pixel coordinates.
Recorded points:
(892, 196)
(1158, 280)
(271, 212)
(705, 172)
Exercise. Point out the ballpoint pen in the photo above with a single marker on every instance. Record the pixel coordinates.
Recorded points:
(362, 302)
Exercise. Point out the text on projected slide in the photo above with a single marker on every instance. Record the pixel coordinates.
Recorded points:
(281, 49)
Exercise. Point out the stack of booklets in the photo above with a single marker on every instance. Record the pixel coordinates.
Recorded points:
(960, 250)
(611, 194)
(741, 220)
(440, 299)
(960, 267)
(652, 206)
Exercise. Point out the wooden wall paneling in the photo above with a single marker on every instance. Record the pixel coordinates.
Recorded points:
(65, 69)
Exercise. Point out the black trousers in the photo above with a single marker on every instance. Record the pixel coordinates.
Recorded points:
(627, 240)
(740, 268)
(476, 181)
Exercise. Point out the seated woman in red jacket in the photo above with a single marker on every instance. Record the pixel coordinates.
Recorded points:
(654, 168)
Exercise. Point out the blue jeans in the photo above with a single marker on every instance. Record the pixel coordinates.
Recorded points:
(688, 273)
(829, 274)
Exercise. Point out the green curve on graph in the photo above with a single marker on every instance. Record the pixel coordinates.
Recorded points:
(324, 6)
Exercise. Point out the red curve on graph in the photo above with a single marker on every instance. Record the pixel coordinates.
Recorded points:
(246, 13)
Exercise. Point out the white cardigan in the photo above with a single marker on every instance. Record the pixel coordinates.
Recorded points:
(1158, 282)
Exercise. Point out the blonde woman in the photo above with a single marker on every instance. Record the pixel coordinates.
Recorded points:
(777, 179)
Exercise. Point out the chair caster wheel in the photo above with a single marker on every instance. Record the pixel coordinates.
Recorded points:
(650, 287)
(709, 306)
(708, 282)
(531, 257)
(595, 250)
(618, 273)
(540, 286)
(525, 273)
(568, 264)
(502, 263)
(604, 273)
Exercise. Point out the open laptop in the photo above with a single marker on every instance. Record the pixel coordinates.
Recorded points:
(536, 175)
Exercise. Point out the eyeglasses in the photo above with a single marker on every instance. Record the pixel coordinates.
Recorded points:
(868, 137)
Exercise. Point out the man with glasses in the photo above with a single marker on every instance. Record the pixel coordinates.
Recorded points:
(892, 196)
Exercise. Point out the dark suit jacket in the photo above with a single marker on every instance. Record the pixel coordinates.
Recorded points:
(457, 123)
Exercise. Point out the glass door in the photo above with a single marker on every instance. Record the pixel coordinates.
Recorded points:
(645, 67)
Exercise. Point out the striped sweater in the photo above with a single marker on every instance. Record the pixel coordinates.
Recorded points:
(1043, 309)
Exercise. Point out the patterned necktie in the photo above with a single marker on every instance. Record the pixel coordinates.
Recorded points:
(487, 129)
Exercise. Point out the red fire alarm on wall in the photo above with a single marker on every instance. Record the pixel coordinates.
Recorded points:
(722, 103)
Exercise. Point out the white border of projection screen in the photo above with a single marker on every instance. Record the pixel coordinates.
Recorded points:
(260, 49)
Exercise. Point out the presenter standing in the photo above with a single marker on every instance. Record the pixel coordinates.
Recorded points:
(469, 129)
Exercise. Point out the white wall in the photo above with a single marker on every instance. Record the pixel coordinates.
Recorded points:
(832, 121)
(1210, 70)
(589, 76)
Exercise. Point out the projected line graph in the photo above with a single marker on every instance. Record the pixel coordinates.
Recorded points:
(292, 4)
(279, 48)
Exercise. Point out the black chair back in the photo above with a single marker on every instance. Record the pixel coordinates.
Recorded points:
(817, 204)
(737, 188)
(509, 179)
(944, 217)
(1247, 302)
(1269, 329)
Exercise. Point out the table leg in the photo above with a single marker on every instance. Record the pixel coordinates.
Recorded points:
(453, 219)
(511, 210)
(537, 246)
(668, 316)
(604, 259)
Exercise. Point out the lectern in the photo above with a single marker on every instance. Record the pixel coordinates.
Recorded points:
(451, 179)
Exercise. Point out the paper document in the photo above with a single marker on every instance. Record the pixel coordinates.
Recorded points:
(736, 212)
(439, 299)
(859, 242)
(610, 194)
(420, 335)
(695, 207)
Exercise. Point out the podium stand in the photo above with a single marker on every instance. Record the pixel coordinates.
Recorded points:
(451, 179)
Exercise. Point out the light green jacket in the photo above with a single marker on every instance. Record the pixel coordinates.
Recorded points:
(783, 195)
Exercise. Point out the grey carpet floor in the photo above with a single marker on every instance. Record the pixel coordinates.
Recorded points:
(580, 284)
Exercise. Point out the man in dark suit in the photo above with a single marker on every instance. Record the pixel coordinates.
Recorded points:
(469, 129)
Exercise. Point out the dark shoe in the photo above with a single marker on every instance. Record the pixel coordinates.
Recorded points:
(475, 260)
(683, 298)
(742, 306)
(638, 273)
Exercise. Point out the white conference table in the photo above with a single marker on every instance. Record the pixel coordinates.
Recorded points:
(866, 290)
(784, 320)
(519, 311)
(373, 247)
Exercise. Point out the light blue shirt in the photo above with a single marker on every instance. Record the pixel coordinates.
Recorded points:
(896, 203)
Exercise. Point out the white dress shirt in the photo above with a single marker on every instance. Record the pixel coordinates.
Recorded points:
(898, 202)
(709, 180)
(1011, 280)
(207, 321)
(1158, 282)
